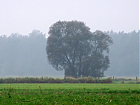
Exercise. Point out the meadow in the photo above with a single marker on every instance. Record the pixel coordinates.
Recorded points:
(69, 94)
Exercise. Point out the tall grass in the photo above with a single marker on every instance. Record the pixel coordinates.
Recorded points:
(68, 80)
(54, 80)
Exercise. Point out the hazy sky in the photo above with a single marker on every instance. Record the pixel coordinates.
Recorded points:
(23, 16)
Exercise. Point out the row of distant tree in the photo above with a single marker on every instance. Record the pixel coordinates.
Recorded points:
(26, 55)
(124, 54)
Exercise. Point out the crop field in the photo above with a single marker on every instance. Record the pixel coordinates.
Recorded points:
(69, 94)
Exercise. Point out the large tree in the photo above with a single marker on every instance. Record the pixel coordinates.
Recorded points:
(72, 47)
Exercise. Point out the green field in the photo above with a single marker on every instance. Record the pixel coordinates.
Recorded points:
(68, 94)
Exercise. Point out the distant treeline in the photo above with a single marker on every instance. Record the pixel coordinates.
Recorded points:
(124, 54)
(26, 55)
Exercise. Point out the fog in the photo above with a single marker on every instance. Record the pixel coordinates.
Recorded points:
(23, 51)
(26, 55)
(106, 15)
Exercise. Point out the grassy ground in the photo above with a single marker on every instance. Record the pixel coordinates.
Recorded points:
(79, 94)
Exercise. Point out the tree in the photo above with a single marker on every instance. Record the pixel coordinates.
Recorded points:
(73, 48)
(22, 55)
(124, 54)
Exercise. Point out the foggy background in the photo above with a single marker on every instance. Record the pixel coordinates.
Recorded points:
(22, 50)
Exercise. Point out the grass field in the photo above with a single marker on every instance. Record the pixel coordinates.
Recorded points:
(68, 94)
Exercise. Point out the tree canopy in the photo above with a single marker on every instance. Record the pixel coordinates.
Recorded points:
(72, 47)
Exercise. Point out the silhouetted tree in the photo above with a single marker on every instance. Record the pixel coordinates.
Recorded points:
(73, 48)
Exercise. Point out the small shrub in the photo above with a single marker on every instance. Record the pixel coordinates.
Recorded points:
(51, 80)
(57, 80)
(122, 82)
(108, 80)
(137, 82)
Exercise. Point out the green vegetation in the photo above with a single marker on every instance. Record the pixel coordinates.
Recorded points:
(54, 80)
(59, 94)
(69, 80)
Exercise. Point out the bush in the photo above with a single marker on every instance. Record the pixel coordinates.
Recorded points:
(108, 80)
(54, 80)
(138, 82)
(57, 80)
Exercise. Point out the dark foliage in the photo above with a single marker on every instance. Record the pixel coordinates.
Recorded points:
(73, 48)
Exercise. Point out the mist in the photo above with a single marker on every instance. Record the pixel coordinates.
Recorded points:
(23, 51)
(22, 56)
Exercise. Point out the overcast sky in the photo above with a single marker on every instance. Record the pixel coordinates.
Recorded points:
(23, 16)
